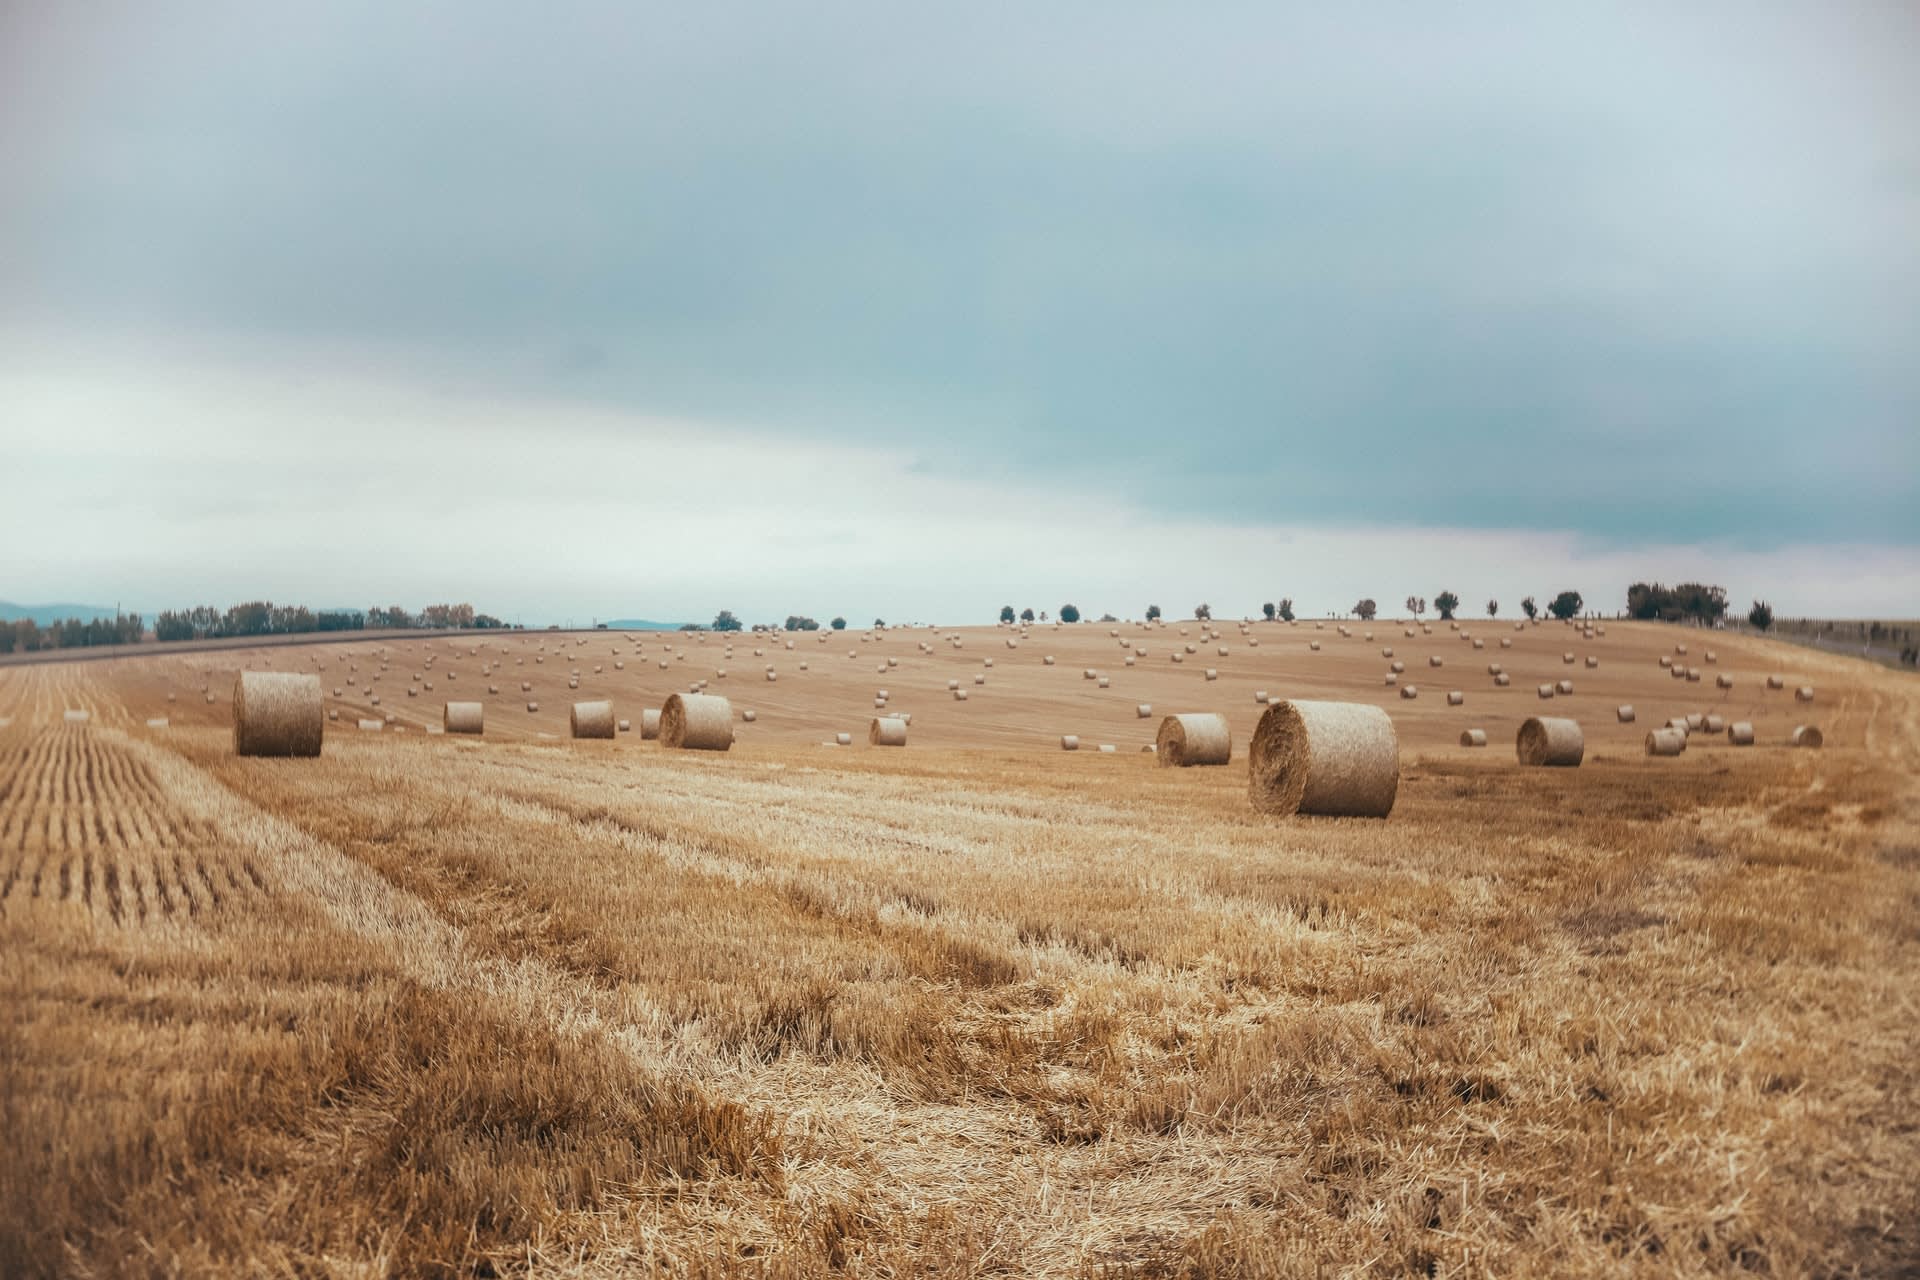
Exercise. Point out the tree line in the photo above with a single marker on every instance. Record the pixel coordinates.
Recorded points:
(264, 618)
(27, 636)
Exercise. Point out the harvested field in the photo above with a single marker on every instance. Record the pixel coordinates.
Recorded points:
(453, 1005)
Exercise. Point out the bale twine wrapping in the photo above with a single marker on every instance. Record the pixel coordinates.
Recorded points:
(1473, 737)
(696, 722)
(1550, 741)
(1456, 697)
(887, 731)
(1740, 733)
(1337, 759)
(1666, 742)
(463, 717)
(1808, 735)
(591, 720)
(277, 714)
(1197, 738)
(1624, 713)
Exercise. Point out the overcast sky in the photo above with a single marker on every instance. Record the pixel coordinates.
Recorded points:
(618, 310)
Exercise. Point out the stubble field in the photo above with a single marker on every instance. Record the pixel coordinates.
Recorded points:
(437, 1005)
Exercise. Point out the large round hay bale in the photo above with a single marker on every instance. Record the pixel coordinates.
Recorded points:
(1550, 741)
(887, 731)
(1624, 713)
(1436, 661)
(1337, 759)
(591, 720)
(696, 722)
(1396, 666)
(277, 713)
(1197, 738)
(1473, 737)
(463, 717)
(1808, 735)
(1666, 742)
(1506, 643)
(1740, 733)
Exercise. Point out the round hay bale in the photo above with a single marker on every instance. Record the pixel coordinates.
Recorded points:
(959, 695)
(1723, 681)
(1592, 662)
(1679, 673)
(1713, 724)
(1564, 688)
(1436, 661)
(1336, 759)
(1807, 735)
(533, 706)
(1128, 660)
(1143, 710)
(696, 722)
(772, 676)
(1545, 691)
(842, 739)
(1666, 742)
(1314, 645)
(1409, 691)
(1069, 742)
(1680, 649)
(1107, 748)
(1396, 666)
(1502, 680)
(1260, 696)
(1506, 642)
(1473, 737)
(1567, 658)
(1101, 683)
(1624, 713)
(591, 720)
(1696, 722)
(1387, 651)
(1665, 661)
(887, 731)
(1740, 733)
(1456, 698)
(1191, 649)
(1551, 742)
(1494, 668)
(1711, 656)
(1178, 657)
(1478, 643)
(749, 715)
(463, 717)
(1212, 674)
(277, 714)
(626, 726)
(1776, 682)
(979, 679)
(1048, 660)
(1803, 694)
(1197, 738)
(1088, 673)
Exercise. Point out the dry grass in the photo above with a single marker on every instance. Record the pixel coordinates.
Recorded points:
(462, 1007)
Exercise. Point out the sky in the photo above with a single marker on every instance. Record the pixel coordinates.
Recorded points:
(618, 310)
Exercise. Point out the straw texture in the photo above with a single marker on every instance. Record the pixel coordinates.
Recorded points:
(1337, 759)
(887, 731)
(1550, 741)
(463, 717)
(1198, 738)
(696, 722)
(277, 714)
(591, 720)
(1666, 742)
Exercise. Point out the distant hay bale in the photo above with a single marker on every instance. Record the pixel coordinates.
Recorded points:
(1107, 748)
(1666, 742)
(1567, 658)
(1409, 691)
(158, 722)
(1803, 694)
(1551, 742)
(772, 676)
(1678, 673)
(1397, 666)
(1713, 724)
(1564, 688)
(1592, 662)
(1665, 661)
(1807, 735)
(980, 679)
(1545, 691)
(1260, 696)
(1334, 759)
(1456, 697)
(1314, 645)
(1048, 660)
(1723, 680)
(1693, 675)
(1493, 668)
(626, 726)
(591, 719)
(1069, 742)
(533, 706)
(526, 686)
(1196, 738)
(1436, 661)
(953, 684)
(1680, 649)
(277, 714)
(1089, 674)
(1624, 713)
(372, 726)
(463, 717)
(1178, 657)
(1212, 674)
(1387, 652)
(1391, 680)
(1711, 656)
(1502, 679)
(1505, 643)
(1143, 710)
(1740, 733)
(1473, 737)
(1191, 649)
(1776, 682)
(696, 722)
(77, 717)
(1101, 683)
(842, 739)
(1696, 722)
(887, 731)
(959, 695)
(1478, 643)
(1128, 660)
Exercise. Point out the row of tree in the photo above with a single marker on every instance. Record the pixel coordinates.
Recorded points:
(726, 621)
(264, 618)
(27, 636)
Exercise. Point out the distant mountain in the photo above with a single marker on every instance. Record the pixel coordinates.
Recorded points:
(640, 624)
(45, 614)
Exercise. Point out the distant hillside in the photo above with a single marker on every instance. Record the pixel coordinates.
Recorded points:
(44, 614)
(641, 624)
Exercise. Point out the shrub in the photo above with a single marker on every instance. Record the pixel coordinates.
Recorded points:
(1026, 615)
(1493, 608)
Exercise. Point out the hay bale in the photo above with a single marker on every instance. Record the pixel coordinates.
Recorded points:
(1101, 683)
(277, 714)
(626, 726)
(1564, 688)
(1473, 737)
(1494, 668)
(1387, 652)
(1396, 666)
(1478, 643)
(1502, 680)
(1107, 748)
(372, 726)
(1436, 661)
(1409, 691)
(1803, 694)
(77, 717)
(591, 719)
(1693, 675)
(696, 722)
(1456, 698)
(1506, 643)
(1624, 713)
(1048, 660)
(1592, 662)
(887, 731)
(1550, 741)
(463, 717)
(1069, 742)
(1260, 696)
(1807, 735)
(1740, 733)
(749, 715)
(1392, 680)
(1197, 738)
(1679, 673)
(1143, 710)
(1665, 661)
(1212, 674)
(959, 695)
(158, 722)
(1545, 691)
(842, 739)
(1776, 682)
(1713, 724)
(1337, 759)
(1666, 742)
(1711, 656)
(1314, 645)
(982, 680)
(1696, 722)
(772, 676)
(533, 706)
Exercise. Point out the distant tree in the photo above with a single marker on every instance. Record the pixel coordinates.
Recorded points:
(1528, 607)
(1153, 612)
(1026, 614)
(1204, 612)
(1565, 605)
(1761, 615)
(1107, 617)
(1006, 613)
(1365, 609)
(487, 622)
(879, 623)
(249, 619)
(725, 621)
(838, 624)
(1446, 602)
(172, 625)
(1268, 610)
(1043, 615)
(796, 622)
(1286, 608)
(1069, 613)
(1416, 605)
(1493, 608)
